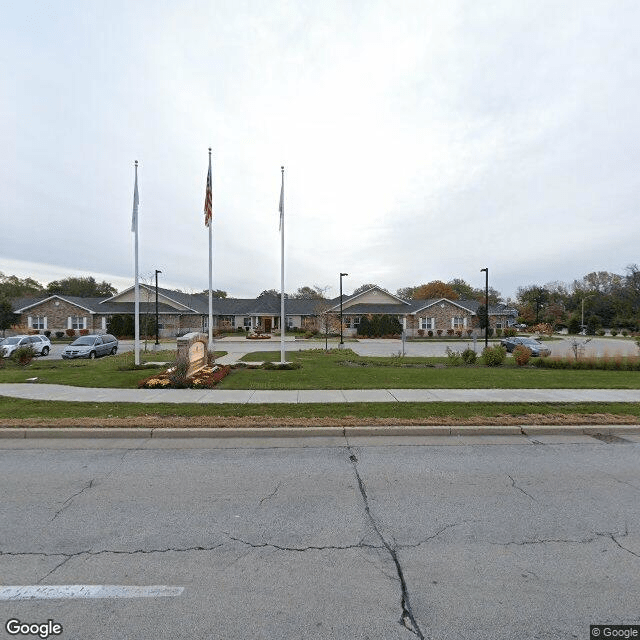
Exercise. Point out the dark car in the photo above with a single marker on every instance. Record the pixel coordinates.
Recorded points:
(92, 346)
(536, 347)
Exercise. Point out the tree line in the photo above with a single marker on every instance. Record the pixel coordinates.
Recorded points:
(12, 287)
(599, 299)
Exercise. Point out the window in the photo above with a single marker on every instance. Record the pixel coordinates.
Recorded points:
(289, 320)
(356, 321)
(39, 322)
(457, 322)
(498, 325)
(246, 322)
(427, 323)
(77, 322)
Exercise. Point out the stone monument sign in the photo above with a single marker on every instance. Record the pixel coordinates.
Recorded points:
(193, 348)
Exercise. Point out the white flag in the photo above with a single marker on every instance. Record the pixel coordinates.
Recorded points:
(281, 207)
(136, 200)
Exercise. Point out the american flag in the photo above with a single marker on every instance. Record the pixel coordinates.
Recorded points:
(208, 197)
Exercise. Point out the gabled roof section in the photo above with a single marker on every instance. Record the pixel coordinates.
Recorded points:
(393, 300)
(87, 304)
(181, 300)
(467, 305)
(364, 309)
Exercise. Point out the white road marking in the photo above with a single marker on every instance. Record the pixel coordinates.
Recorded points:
(49, 592)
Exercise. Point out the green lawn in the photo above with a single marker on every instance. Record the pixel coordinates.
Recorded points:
(18, 408)
(346, 370)
(333, 370)
(111, 371)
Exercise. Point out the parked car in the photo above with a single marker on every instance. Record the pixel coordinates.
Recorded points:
(91, 346)
(41, 345)
(536, 347)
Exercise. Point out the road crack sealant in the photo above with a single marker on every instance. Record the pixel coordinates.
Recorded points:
(272, 494)
(69, 556)
(94, 481)
(67, 502)
(611, 535)
(515, 486)
(271, 545)
(407, 618)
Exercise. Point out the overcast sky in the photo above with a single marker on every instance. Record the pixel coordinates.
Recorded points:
(421, 140)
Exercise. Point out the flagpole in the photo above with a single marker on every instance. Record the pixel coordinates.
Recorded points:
(210, 289)
(137, 279)
(208, 215)
(283, 359)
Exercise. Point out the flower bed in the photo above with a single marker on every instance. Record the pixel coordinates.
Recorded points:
(206, 378)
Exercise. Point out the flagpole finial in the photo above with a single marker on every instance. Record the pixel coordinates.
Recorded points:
(209, 150)
(136, 163)
(282, 169)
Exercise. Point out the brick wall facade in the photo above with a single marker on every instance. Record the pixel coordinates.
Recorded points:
(58, 312)
(442, 315)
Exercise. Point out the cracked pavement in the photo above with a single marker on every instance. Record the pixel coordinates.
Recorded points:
(363, 538)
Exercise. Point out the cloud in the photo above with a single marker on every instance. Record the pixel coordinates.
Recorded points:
(421, 141)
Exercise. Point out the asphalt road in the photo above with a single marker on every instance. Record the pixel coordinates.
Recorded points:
(561, 347)
(478, 538)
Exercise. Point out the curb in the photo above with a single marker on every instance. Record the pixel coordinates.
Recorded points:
(309, 432)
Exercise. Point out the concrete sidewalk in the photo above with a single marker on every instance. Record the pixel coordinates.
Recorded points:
(53, 392)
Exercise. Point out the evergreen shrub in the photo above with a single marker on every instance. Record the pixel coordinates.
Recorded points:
(494, 356)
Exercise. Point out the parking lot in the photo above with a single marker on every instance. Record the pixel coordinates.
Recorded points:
(382, 347)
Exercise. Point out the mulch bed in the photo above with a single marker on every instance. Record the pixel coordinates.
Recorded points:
(206, 378)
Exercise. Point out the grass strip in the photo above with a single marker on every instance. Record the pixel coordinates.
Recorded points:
(14, 411)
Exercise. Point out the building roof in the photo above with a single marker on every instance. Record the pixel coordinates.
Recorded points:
(469, 305)
(21, 305)
(366, 308)
(198, 304)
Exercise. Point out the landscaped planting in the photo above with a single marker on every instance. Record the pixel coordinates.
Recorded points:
(205, 378)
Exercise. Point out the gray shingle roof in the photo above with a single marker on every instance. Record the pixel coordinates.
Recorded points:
(198, 304)
(364, 309)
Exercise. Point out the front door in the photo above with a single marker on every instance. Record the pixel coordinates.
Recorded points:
(267, 325)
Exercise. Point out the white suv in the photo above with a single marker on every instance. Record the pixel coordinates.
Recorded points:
(40, 344)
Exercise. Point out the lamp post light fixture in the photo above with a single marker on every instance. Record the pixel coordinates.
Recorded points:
(157, 272)
(341, 276)
(486, 306)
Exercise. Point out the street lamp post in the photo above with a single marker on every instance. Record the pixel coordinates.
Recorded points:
(341, 276)
(538, 305)
(583, 299)
(157, 272)
(486, 306)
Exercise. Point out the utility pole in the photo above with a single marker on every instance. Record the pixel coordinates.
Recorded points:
(157, 272)
(341, 276)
